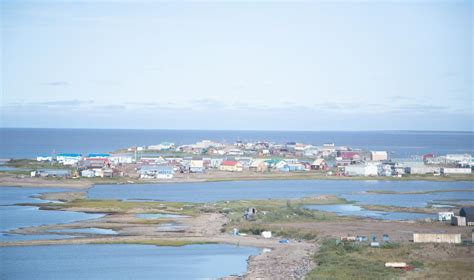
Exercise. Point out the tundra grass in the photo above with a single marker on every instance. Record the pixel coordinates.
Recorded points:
(348, 260)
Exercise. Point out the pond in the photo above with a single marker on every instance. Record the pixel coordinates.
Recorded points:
(409, 200)
(159, 216)
(103, 231)
(120, 261)
(355, 210)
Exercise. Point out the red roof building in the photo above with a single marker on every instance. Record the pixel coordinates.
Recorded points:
(229, 163)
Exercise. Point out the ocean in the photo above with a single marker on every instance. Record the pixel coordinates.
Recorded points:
(29, 142)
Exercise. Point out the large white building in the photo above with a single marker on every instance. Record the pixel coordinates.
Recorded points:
(447, 170)
(68, 159)
(361, 170)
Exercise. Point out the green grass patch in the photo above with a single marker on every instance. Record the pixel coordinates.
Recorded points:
(348, 261)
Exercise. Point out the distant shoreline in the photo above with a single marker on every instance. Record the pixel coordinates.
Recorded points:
(244, 130)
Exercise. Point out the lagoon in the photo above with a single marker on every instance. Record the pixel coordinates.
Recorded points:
(119, 261)
(286, 189)
(13, 216)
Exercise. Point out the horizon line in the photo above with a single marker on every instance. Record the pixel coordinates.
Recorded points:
(246, 130)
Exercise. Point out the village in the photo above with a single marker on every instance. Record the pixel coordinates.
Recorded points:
(295, 237)
(166, 160)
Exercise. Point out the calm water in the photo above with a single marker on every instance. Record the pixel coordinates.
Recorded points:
(13, 217)
(14, 195)
(123, 262)
(87, 230)
(28, 143)
(354, 210)
(158, 216)
(410, 200)
(218, 191)
(21, 237)
(24, 216)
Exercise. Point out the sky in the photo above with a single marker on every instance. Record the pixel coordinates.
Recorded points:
(258, 65)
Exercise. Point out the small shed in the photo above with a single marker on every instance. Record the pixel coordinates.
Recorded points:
(437, 238)
(458, 221)
(468, 213)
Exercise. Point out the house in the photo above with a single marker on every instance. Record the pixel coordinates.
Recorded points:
(98, 156)
(94, 163)
(122, 158)
(422, 170)
(102, 172)
(445, 216)
(306, 165)
(156, 172)
(235, 152)
(88, 173)
(458, 221)
(196, 166)
(264, 152)
(437, 238)
(59, 173)
(215, 163)
(162, 146)
(281, 166)
(386, 170)
(468, 213)
(347, 157)
(361, 170)
(295, 167)
(245, 161)
(258, 165)
(250, 213)
(454, 158)
(319, 164)
(378, 155)
(231, 165)
(453, 171)
(44, 158)
(68, 159)
(153, 159)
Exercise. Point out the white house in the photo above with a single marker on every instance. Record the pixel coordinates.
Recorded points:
(445, 216)
(125, 158)
(196, 166)
(44, 158)
(88, 173)
(162, 146)
(68, 159)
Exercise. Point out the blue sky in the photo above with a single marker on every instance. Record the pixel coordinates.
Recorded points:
(309, 65)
